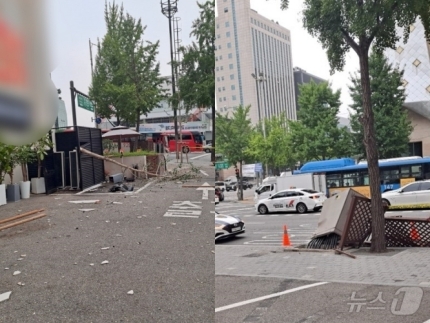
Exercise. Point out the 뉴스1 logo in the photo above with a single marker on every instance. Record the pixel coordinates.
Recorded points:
(406, 301)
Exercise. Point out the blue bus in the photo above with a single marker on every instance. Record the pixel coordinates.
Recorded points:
(344, 173)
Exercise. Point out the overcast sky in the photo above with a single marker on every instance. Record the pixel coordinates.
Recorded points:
(307, 52)
(72, 23)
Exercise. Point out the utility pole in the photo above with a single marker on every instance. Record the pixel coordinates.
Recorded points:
(169, 8)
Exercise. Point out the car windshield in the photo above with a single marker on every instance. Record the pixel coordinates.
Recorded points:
(219, 183)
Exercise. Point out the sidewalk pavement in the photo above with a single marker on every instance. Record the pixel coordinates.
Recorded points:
(398, 267)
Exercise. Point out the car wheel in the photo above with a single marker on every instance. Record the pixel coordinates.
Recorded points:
(385, 203)
(301, 208)
(262, 209)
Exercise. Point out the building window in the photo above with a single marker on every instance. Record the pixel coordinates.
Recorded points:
(223, 88)
(217, 26)
(225, 9)
(227, 24)
(219, 46)
(428, 88)
(230, 55)
(217, 68)
(411, 28)
(225, 99)
(231, 76)
(222, 78)
(219, 89)
(231, 66)
(218, 36)
(233, 87)
(404, 82)
(227, 34)
(416, 149)
(217, 79)
(220, 99)
(228, 45)
(233, 97)
(221, 68)
(220, 57)
(399, 49)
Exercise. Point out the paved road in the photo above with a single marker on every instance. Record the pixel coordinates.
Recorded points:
(158, 243)
(267, 229)
(320, 302)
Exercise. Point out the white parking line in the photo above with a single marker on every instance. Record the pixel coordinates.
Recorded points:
(259, 299)
(142, 188)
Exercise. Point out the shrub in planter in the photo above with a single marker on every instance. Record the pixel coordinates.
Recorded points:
(39, 148)
(12, 190)
(25, 156)
(5, 151)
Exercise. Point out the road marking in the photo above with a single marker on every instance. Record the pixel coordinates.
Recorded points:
(205, 189)
(199, 156)
(142, 188)
(259, 299)
(203, 172)
(184, 209)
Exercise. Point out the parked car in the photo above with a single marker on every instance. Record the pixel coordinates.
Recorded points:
(227, 226)
(245, 184)
(207, 148)
(221, 185)
(411, 195)
(219, 194)
(231, 186)
(297, 199)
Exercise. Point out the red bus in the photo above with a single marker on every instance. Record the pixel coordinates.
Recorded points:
(191, 139)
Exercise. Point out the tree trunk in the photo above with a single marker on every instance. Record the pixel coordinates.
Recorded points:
(39, 168)
(378, 219)
(213, 135)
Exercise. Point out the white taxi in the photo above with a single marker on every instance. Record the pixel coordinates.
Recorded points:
(298, 199)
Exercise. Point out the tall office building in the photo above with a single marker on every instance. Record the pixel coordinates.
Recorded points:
(414, 58)
(302, 77)
(253, 63)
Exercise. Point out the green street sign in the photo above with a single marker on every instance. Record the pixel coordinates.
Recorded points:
(85, 103)
(222, 165)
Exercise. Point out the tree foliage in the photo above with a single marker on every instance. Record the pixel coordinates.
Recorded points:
(274, 147)
(126, 80)
(392, 125)
(197, 69)
(340, 25)
(316, 135)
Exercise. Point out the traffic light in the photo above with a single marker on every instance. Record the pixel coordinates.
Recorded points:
(237, 173)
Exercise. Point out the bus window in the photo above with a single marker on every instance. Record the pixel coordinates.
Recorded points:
(405, 171)
(186, 137)
(351, 179)
(416, 172)
(427, 171)
(334, 180)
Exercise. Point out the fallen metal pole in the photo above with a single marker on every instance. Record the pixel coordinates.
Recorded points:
(10, 225)
(20, 216)
(118, 163)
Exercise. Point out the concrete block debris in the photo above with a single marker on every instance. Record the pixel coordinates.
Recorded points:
(85, 202)
(5, 296)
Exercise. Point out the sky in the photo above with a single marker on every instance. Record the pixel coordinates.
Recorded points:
(307, 52)
(71, 23)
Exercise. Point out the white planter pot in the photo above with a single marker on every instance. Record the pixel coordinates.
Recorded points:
(25, 189)
(3, 194)
(38, 185)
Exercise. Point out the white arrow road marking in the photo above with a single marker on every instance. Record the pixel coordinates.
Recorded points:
(205, 190)
(204, 173)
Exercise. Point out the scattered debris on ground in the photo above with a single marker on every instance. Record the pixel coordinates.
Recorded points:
(5, 296)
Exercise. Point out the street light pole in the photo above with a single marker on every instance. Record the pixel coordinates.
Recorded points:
(259, 80)
(169, 8)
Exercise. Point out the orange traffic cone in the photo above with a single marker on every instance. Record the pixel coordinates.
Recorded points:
(414, 232)
(286, 239)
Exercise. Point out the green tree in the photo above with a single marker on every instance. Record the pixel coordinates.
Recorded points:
(392, 125)
(234, 134)
(341, 25)
(197, 70)
(316, 135)
(141, 68)
(109, 88)
(126, 80)
(273, 149)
